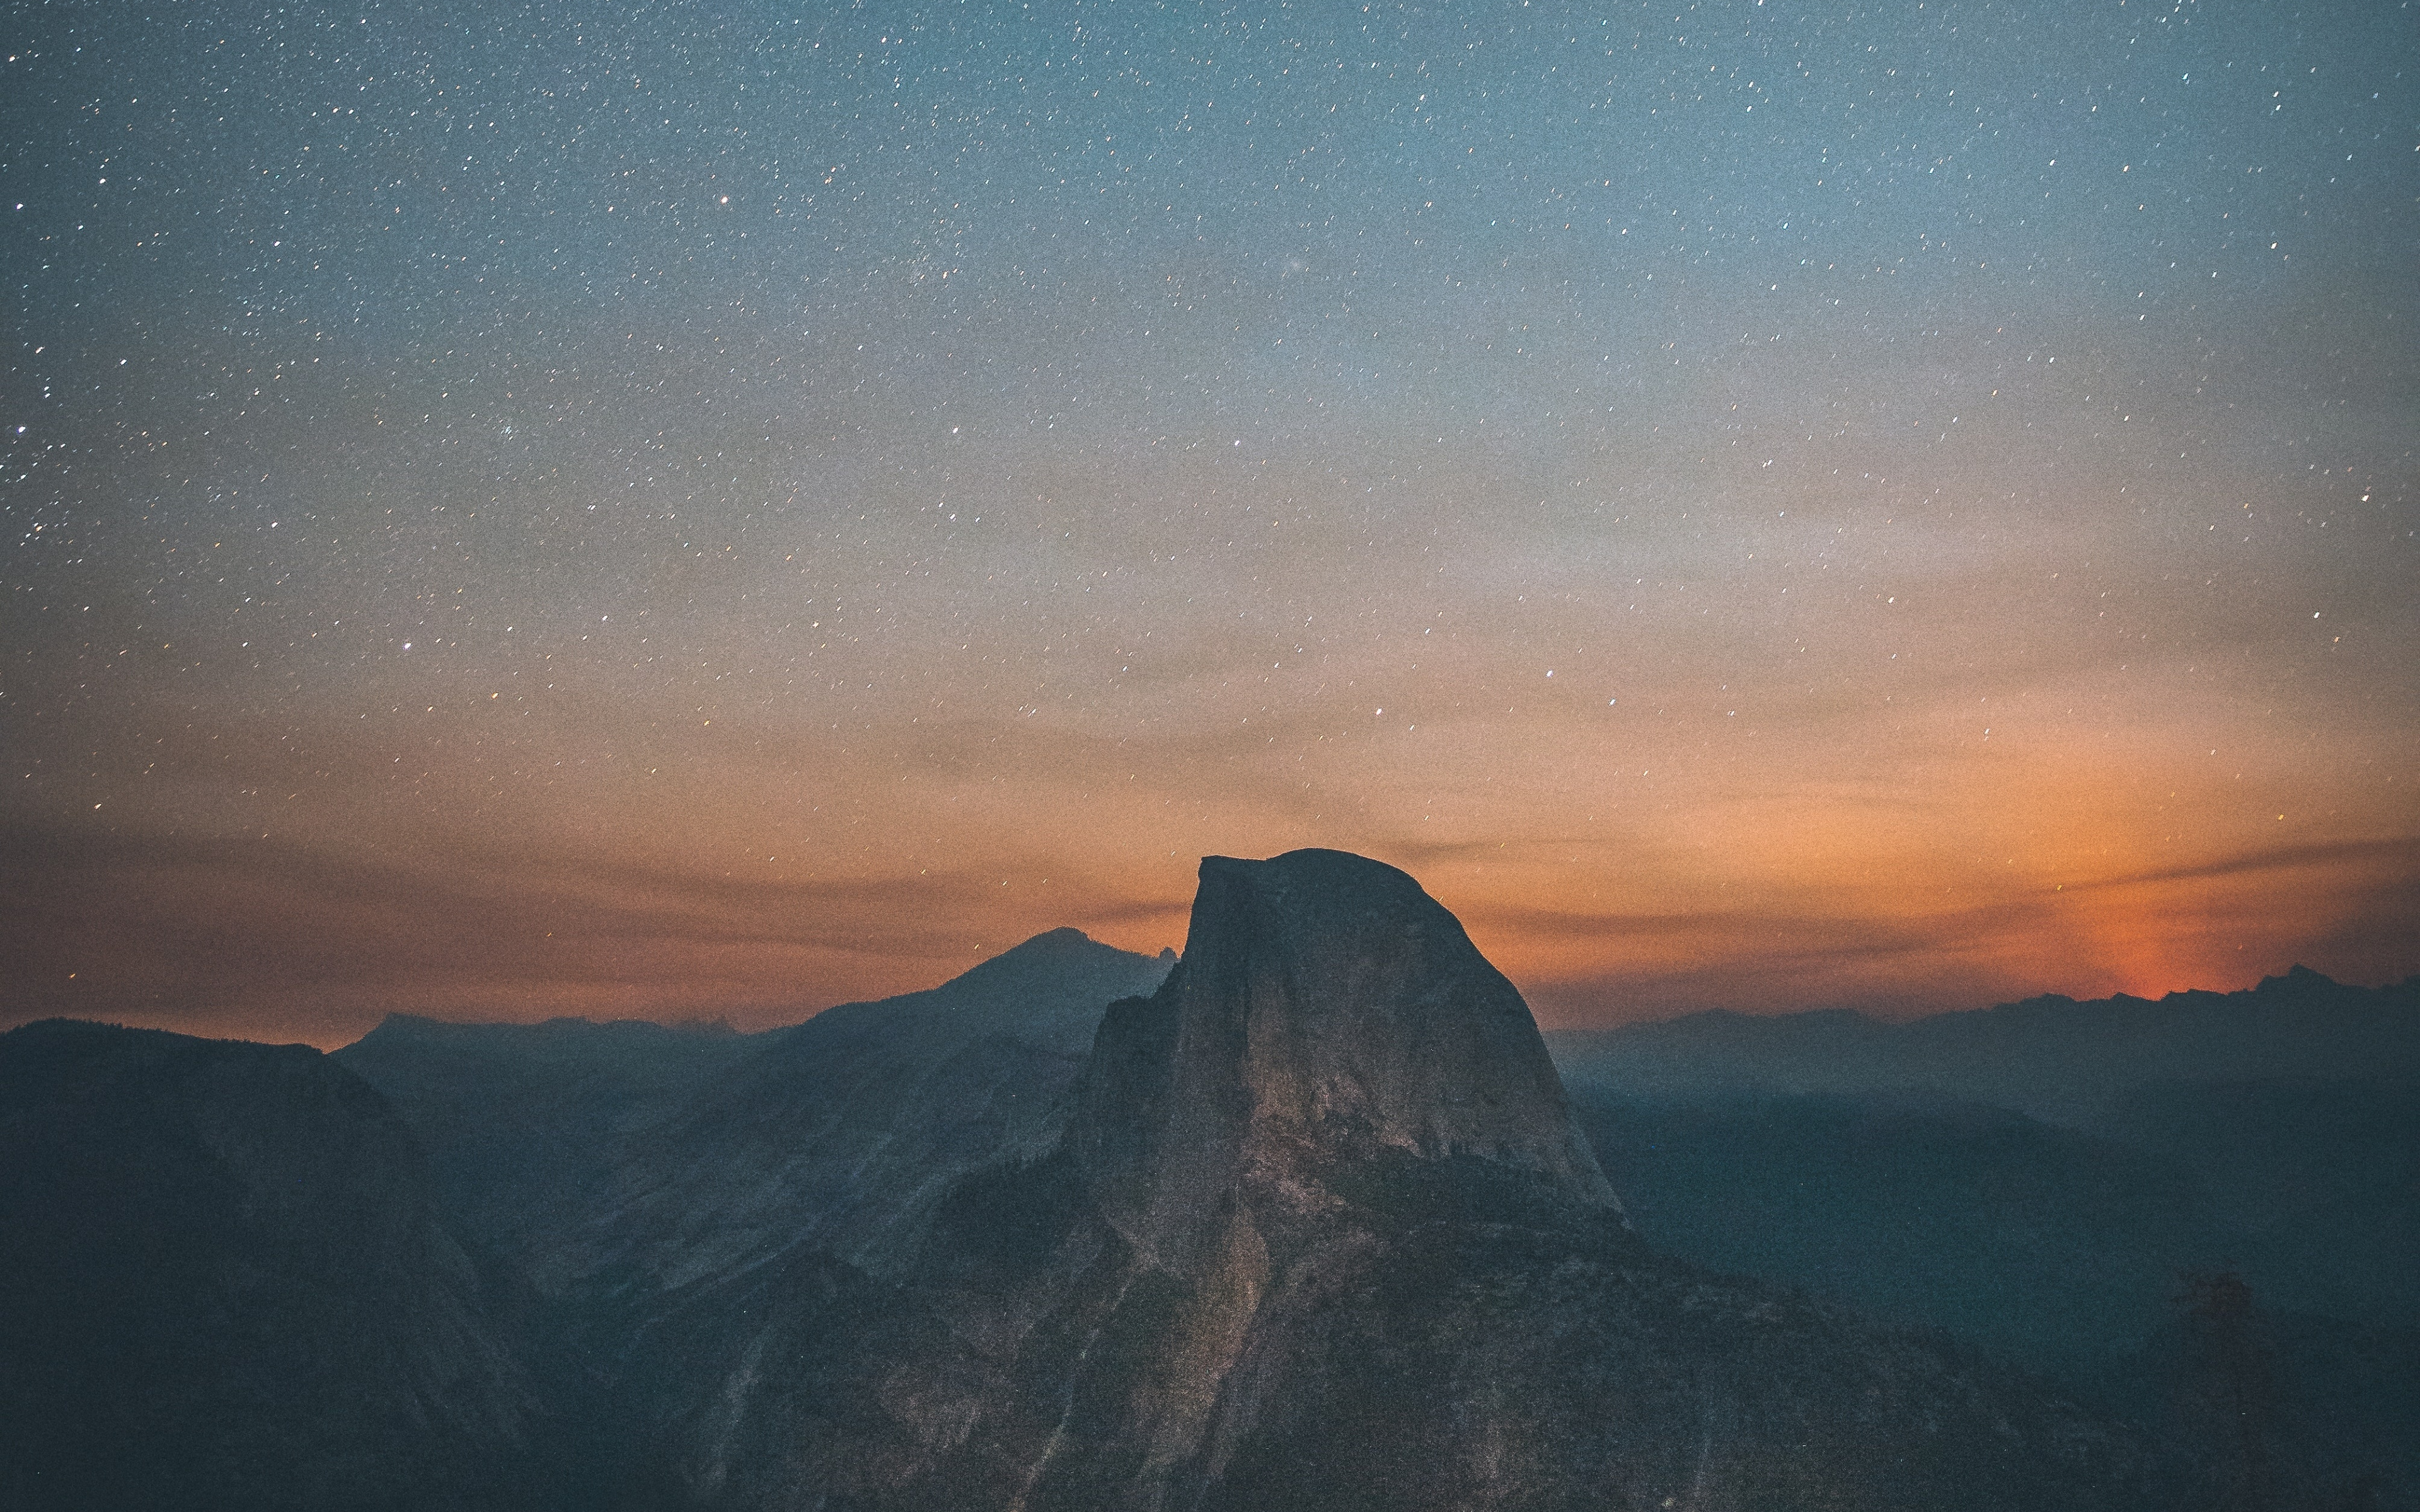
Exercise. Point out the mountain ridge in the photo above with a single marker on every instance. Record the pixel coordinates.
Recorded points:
(2050, 1056)
(1306, 1218)
(1266, 1266)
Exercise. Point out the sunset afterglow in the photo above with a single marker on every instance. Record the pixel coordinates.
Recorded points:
(1755, 506)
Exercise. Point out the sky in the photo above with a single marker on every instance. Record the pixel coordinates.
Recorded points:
(713, 511)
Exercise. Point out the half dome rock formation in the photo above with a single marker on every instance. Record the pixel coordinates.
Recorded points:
(1329, 1051)
(1331, 1066)
(1328, 1026)
(1319, 1233)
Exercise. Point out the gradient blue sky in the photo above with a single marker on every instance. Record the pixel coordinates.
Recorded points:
(517, 509)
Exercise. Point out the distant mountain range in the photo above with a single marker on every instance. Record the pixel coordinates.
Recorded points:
(1306, 1219)
(2047, 1180)
(2052, 1057)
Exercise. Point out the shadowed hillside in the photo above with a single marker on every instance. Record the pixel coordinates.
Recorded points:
(224, 1285)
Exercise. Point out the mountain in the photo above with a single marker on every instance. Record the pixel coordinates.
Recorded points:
(2315, 1183)
(2081, 1252)
(1329, 1028)
(659, 1153)
(522, 1123)
(1307, 1218)
(2049, 1056)
(1318, 1230)
(2045, 1245)
(224, 1284)
(840, 1136)
(2054, 1182)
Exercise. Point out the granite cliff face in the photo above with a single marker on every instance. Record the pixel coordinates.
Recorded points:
(1330, 1025)
(1319, 1233)
(1332, 1069)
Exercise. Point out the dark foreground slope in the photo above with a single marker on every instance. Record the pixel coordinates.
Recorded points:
(222, 1285)
(1319, 1233)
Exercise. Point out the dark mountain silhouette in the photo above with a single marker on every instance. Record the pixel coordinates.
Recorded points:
(2316, 1185)
(2267, 1408)
(1318, 1232)
(2045, 1245)
(223, 1283)
(842, 1135)
(2050, 1057)
(671, 1153)
(1308, 1221)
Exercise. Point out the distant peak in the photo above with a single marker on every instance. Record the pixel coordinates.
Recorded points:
(2297, 975)
(1062, 938)
(1061, 963)
(1047, 951)
(405, 1026)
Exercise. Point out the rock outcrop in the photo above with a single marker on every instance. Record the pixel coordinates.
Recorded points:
(1331, 1026)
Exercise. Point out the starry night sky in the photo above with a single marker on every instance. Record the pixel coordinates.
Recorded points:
(724, 509)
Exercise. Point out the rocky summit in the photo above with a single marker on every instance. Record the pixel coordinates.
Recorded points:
(1331, 1026)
